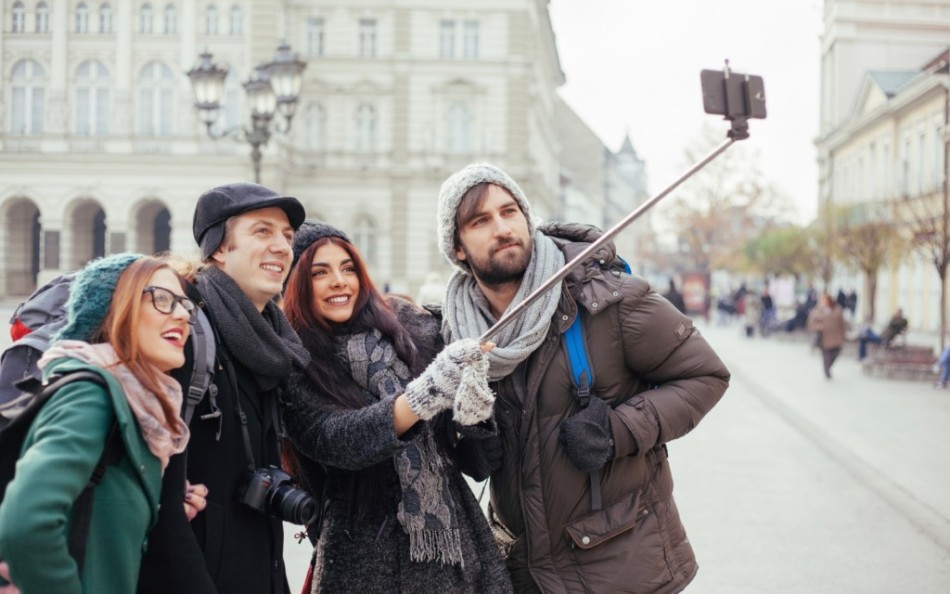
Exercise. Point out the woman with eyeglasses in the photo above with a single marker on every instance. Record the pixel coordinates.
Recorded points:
(128, 322)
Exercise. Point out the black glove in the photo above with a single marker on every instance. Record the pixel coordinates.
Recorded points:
(586, 437)
(480, 457)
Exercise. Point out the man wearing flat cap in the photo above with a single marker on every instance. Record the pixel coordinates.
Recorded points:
(245, 232)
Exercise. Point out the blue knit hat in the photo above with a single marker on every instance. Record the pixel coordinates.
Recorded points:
(91, 294)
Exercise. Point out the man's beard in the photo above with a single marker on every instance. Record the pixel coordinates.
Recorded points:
(501, 272)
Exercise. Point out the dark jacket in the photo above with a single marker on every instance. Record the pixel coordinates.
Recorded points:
(65, 443)
(661, 377)
(369, 552)
(228, 548)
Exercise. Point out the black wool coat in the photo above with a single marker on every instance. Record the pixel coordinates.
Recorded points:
(228, 548)
(368, 552)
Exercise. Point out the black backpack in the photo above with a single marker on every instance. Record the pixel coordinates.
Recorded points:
(11, 442)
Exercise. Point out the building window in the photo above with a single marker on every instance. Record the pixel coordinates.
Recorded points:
(365, 128)
(365, 235)
(92, 99)
(211, 20)
(237, 20)
(146, 24)
(921, 151)
(458, 129)
(315, 33)
(171, 20)
(232, 103)
(367, 38)
(42, 18)
(27, 98)
(938, 153)
(18, 24)
(447, 39)
(105, 19)
(82, 18)
(156, 97)
(315, 127)
(471, 40)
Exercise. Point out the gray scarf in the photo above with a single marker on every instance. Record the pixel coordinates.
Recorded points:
(262, 341)
(427, 510)
(466, 313)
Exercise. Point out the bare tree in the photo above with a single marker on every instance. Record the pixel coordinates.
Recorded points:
(867, 239)
(727, 203)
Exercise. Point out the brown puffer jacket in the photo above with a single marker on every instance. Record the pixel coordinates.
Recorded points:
(661, 377)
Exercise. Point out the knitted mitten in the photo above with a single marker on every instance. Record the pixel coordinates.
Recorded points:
(474, 399)
(434, 390)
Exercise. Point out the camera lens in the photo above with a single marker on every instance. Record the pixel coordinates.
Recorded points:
(292, 505)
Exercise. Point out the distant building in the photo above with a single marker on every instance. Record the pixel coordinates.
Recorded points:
(884, 129)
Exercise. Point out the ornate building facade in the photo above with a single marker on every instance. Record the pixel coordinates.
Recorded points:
(102, 151)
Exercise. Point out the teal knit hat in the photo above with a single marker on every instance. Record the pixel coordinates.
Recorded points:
(91, 294)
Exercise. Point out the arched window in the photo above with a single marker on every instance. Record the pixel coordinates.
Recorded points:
(156, 99)
(171, 20)
(42, 18)
(18, 24)
(365, 128)
(82, 18)
(315, 127)
(145, 19)
(237, 20)
(105, 19)
(92, 99)
(27, 94)
(211, 20)
(458, 128)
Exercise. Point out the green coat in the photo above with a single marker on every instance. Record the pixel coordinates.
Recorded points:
(60, 452)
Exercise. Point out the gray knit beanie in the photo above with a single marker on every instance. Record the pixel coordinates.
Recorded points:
(312, 231)
(450, 196)
(90, 295)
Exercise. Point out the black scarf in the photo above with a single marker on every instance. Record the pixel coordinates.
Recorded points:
(260, 341)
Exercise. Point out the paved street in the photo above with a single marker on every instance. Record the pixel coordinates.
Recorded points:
(798, 484)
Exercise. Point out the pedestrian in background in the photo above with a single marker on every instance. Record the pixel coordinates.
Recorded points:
(827, 319)
(370, 422)
(128, 320)
(675, 297)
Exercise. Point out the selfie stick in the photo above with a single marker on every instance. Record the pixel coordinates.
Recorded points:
(739, 131)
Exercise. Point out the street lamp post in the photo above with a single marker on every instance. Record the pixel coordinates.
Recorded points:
(273, 87)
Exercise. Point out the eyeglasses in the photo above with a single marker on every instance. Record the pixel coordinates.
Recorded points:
(164, 301)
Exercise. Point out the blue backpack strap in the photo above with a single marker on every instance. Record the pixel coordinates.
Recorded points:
(581, 373)
(582, 376)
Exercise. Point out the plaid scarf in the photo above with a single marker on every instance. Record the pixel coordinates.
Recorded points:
(427, 509)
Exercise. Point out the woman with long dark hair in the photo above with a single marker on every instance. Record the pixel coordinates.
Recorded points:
(369, 422)
(128, 320)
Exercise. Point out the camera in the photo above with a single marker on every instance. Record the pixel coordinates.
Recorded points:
(271, 490)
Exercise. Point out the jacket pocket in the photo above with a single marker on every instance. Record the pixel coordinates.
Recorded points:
(600, 526)
(619, 548)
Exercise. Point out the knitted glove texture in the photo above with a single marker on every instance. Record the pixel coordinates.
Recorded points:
(434, 390)
(474, 400)
(587, 438)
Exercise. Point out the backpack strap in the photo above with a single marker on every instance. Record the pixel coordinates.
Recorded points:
(204, 347)
(582, 376)
(81, 518)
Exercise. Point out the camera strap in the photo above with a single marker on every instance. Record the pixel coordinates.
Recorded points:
(245, 434)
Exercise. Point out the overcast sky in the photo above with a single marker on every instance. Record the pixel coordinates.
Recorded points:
(634, 64)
